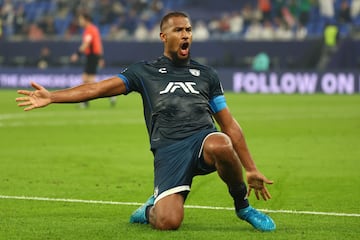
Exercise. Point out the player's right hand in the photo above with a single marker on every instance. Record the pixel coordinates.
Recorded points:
(34, 99)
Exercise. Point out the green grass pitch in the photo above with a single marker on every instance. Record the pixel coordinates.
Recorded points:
(309, 145)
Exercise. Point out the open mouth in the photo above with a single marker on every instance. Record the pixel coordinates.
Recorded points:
(184, 49)
(184, 46)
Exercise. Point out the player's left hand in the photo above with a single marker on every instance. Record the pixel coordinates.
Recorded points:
(256, 181)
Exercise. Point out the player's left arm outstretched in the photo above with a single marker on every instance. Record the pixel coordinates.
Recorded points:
(41, 97)
(255, 179)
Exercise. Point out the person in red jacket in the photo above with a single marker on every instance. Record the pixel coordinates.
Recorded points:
(265, 7)
(91, 46)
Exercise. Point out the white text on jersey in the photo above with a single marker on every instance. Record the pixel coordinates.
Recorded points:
(187, 87)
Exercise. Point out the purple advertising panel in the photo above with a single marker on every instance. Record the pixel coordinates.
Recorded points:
(297, 82)
(287, 82)
(49, 78)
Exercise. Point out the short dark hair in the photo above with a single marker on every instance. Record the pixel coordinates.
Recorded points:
(171, 15)
(86, 16)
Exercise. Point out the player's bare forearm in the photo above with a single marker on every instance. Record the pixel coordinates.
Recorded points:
(106, 88)
(256, 180)
(41, 97)
(76, 94)
(236, 134)
(232, 128)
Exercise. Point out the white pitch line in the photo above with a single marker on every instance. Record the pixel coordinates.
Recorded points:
(186, 206)
(69, 200)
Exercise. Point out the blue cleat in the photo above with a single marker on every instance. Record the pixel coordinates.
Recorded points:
(138, 216)
(258, 220)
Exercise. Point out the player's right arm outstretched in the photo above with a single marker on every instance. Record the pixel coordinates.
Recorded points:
(41, 97)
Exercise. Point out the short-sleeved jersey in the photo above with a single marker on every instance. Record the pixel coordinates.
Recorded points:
(175, 99)
(92, 34)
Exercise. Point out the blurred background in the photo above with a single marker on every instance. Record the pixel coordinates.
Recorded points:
(259, 35)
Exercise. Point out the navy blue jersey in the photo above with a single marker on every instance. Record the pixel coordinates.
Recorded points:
(176, 99)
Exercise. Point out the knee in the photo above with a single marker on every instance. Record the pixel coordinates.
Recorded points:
(168, 222)
(168, 213)
(218, 145)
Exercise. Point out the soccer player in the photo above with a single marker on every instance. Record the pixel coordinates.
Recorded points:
(180, 97)
(91, 47)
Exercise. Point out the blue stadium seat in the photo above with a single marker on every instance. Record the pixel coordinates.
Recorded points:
(105, 29)
(344, 30)
(61, 24)
(356, 21)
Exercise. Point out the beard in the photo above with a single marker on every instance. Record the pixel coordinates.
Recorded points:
(179, 61)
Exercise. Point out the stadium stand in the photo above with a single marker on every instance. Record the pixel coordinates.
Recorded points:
(296, 22)
(107, 13)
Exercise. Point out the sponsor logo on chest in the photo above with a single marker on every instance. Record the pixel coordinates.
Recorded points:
(187, 87)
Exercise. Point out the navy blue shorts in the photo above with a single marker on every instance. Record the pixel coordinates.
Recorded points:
(176, 165)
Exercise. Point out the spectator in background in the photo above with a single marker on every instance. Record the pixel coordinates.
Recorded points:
(224, 23)
(344, 12)
(327, 8)
(35, 33)
(72, 29)
(304, 11)
(282, 31)
(331, 37)
(117, 33)
(236, 23)
(355, 8)
(118, 9)
(7, 16)
(151, 14)
(200, 31)
(47, 25)
(130, 21)
(300, 32)
(105, 12)
(141, 33)
(213, 26)
(154, 32)
(156, 6)
(288, 16)
(254, 31)
(267, 32)
(293, 7)
(62, 9)
(20, 20)
(44, 60)
(265, 8)
(250, 14)
(261, 62)
(278, 5)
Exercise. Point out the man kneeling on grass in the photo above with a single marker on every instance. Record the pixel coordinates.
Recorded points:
(181, 98)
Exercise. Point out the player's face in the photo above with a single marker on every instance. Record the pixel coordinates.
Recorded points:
(177, 38)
